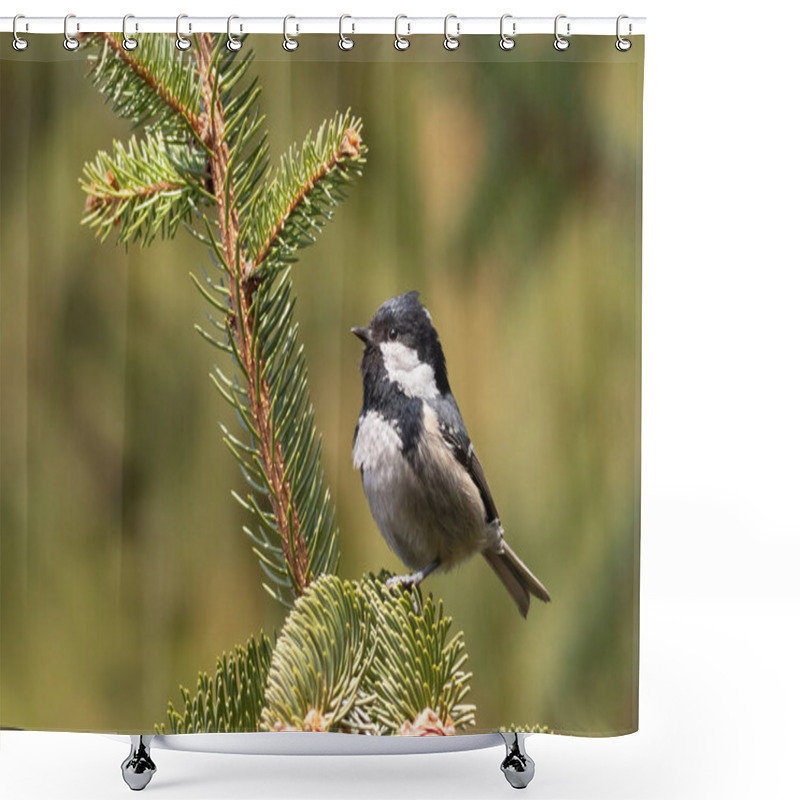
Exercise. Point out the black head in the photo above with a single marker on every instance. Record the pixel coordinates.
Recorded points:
(403, 321)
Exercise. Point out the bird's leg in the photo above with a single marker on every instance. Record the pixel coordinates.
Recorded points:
(413, 579)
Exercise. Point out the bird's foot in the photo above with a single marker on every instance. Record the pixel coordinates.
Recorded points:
(413, 579)
(407, 582)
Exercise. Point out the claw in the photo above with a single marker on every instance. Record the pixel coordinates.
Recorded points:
(407, 582)
(414, 578)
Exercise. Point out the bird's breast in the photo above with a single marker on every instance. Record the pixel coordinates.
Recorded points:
(377, 439)
(424, 503)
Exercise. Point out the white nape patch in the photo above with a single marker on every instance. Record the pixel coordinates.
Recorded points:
(377, 439)
(414, 378)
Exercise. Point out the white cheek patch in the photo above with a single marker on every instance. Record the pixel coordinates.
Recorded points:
(404, 368)
(377, 438)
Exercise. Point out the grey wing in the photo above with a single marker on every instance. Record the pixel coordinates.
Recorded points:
(455, 435)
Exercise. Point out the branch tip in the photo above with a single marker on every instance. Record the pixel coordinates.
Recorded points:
(350, 146)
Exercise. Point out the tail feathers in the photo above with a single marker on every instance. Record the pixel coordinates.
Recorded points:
(520, 582)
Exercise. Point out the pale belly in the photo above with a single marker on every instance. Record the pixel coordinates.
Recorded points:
(424, 514)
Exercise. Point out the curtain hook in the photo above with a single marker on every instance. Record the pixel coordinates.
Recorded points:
(290, 44)
(234, 43)
(345, 42)
(451, 42)
(623, 45)
(128, 42)
(181, 42)
(19, 44)
(560, 42)
(401, 42)
(70, 42)
(507, 42)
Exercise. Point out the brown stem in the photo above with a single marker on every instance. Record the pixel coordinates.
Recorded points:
(94, 201)
(258, 391)
(127, 57)
(349, 147)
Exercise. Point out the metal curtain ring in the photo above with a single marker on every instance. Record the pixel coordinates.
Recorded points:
(560, 42)
(19, 44)
(506, 42)
(128, 42)
(345, 43)
(623, 45)
(400, 42)
(451, 42)
(70, 42)
(290, 44)
(181, 42)
(233, 44)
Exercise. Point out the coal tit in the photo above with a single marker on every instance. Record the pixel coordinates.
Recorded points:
(425, 486)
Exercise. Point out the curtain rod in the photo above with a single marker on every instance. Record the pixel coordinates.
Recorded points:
(349, 25)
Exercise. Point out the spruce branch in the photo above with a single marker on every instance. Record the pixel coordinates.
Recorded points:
(352, 657)
(149, 83)
(309, 183)
(140, 191)
(419, 670)
(319, 661)
(291, 421)
(359, 657)
(297, 538)
(241, 326)
(206, 99)
(231, 701)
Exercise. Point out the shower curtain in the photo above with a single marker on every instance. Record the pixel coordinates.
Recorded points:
(186, 241)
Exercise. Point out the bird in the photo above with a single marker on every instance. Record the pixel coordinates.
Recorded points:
(424, 484)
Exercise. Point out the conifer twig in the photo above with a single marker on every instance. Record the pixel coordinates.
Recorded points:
(349, 147)
(139, 193)
(203, 144)
(258, 391)
(138, 189)
(129, 58)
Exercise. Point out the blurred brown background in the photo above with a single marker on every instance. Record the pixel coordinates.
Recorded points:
(506, 188)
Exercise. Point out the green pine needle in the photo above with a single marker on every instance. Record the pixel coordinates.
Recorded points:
(232, 700)
(359, 657)
(154, 85)
(144, 189)
(311, 180)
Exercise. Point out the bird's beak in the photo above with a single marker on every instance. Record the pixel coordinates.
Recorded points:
(362, 333)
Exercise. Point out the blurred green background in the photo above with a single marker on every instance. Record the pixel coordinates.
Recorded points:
(506, 188)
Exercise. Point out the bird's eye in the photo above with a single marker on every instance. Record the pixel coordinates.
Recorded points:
(393, 334)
